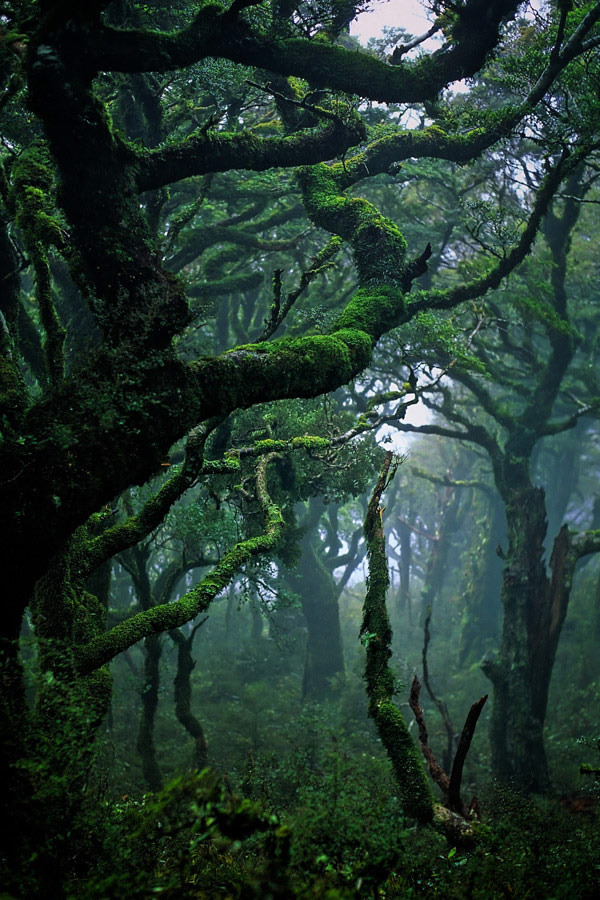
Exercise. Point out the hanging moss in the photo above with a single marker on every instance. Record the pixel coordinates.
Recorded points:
(33, 197)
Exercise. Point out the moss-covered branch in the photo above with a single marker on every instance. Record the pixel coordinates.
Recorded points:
(378, 244)
(221, 152)
(436, 143)
(126, 534)
(213, 32)
(173, 615)
(376, 634)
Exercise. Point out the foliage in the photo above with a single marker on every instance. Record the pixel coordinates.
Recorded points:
(236, 250)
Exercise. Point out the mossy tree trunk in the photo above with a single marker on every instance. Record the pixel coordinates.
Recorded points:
(57, 732)
(376, 634)
(49, 759)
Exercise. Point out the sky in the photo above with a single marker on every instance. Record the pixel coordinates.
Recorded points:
(407, 13)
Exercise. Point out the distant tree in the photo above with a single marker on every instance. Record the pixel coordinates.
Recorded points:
(537, 389)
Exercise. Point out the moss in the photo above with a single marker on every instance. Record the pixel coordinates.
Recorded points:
(373, 311)
(33, 196)
(417, 800)
(327, 65)
(172, 615)
(222, 151)
(376, 634)
(13, 393)
(306, 442)
(300, 367)
(378, 247)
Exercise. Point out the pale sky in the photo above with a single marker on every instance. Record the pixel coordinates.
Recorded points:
(407, 13)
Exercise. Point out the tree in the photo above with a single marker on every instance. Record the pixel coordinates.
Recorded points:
(104, 153)
(529, 400)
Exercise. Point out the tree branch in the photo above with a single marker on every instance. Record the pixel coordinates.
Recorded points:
(435, 770)
(136, 527)
(222, 151)
(173, 615)
(454, 799)
(452, 297)
(324, 65)
(376, 634)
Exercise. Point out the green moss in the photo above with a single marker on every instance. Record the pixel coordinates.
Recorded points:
(328, 65)
(306, 442)
(373, 311)
(378, 245)
(376, 634)
(301, 367)
(417, 799)
(12, 390)
(33, 197)
(162, 618)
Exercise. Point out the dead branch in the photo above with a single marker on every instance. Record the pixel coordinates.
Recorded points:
(435, 770)
(454, 800)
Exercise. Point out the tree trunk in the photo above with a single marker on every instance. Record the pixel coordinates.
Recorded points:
(403, 595)
(521, 673)
(47, 746)
(183, 696)
(480, 625)
(318, 596)
(436, 566)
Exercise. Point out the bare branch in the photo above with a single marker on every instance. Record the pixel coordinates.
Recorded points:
(454, 800)
(435, 770)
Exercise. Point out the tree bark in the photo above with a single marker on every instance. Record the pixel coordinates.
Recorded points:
(520, 675)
